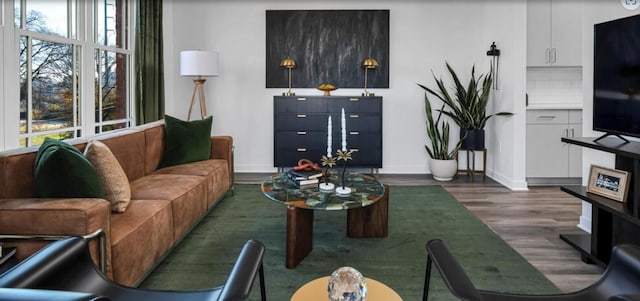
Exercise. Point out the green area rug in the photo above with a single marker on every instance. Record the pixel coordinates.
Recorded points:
(416, 215)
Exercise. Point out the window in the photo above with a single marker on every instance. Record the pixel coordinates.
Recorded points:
(67, 71)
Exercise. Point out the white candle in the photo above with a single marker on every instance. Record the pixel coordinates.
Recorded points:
(329, 129)
(344, 132)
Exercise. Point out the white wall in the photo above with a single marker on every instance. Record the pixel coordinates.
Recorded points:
(594, 12)
(423, 35)
(505, 23)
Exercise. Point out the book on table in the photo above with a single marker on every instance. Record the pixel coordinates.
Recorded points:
(306, 183)
(304, 175)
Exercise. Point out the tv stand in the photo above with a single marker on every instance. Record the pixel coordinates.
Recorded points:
(612, 222)
(609, 134)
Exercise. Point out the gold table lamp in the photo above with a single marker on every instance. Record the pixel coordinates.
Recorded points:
(288, 63)
(368, 63)
(198, 64)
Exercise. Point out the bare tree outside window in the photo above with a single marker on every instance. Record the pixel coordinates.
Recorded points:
(50, 68)
(47, 75)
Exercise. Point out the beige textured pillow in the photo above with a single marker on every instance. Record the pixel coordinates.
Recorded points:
(114, 180)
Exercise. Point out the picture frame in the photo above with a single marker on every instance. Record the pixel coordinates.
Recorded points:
(609, 183)
(328, 46)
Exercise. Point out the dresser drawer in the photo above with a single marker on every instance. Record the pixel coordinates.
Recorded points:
(364, 123)
(292, 104)
(301, 139)
(301, 122)
(357, 105)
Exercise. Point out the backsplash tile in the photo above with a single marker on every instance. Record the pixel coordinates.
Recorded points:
(554, 86)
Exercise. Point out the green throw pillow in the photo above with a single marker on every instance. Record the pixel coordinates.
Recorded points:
(186, 141)
(61, 171)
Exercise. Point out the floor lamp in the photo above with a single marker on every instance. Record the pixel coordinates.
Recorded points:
(198, 64)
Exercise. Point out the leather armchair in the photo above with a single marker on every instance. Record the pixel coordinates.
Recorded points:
(619, 282)
(66, 265)
(26, 294)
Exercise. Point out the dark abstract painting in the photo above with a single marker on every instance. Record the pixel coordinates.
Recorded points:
(328, 47)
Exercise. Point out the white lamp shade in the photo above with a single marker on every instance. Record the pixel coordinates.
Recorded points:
(198, 63)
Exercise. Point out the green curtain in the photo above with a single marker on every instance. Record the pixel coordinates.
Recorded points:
(149, 66)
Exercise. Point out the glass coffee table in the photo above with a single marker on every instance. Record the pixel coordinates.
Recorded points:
(367, 209)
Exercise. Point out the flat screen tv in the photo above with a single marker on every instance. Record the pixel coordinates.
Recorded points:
(616, 77)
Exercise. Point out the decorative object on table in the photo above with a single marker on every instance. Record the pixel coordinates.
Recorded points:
(443, 163)
(307, 165)
(609, 183)
(306, 174)
(368, 63)
(343, 154)
(199, 64)
(288, 63)
(467, 106)
(347, 284)
(494, 53)
(327, 88)
(328, 161)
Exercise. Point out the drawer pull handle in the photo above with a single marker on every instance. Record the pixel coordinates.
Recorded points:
(354, 116)
(301, 133)
(354, 149)
(354, 99)
(301, 98)
(354, 133)
(301, 116)
(301, 149)
(547, 117)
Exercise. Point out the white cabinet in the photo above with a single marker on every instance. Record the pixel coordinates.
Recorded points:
(547, 155)
(554, 33)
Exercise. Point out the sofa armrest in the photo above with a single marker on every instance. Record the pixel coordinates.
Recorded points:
(222, 148)
(55, 217)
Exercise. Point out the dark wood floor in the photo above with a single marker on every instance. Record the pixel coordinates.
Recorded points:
(529, 221)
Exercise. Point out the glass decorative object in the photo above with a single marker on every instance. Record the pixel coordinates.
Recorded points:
(347, 284)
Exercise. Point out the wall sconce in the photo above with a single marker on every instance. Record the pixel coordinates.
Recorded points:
(368, 63)
(198, 64)
(288, 63)
(494, 53)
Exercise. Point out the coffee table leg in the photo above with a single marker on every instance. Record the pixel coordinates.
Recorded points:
(370, 221)
(299, 235)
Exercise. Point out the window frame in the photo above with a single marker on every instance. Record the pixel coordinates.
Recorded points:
(84, 45)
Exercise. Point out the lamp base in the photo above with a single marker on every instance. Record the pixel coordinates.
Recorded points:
(368, 94)
(288, 94)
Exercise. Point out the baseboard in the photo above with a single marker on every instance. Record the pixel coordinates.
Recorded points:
(553, 181)
(506, 181)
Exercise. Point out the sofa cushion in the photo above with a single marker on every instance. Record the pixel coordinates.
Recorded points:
(187, 194)
(114, 181)
(215, 171)
(186, 141)
(141, 236)
(60, 170)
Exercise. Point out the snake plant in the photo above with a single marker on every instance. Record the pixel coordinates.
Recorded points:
(438, 132)
(467, 106)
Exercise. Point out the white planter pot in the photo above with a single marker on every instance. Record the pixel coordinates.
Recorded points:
(443, 170)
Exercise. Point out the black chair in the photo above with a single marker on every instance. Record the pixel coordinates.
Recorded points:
(66, 265)
(619, 282)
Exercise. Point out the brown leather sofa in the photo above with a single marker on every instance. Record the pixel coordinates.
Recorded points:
(165, 203)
